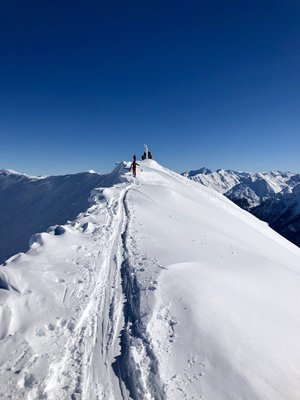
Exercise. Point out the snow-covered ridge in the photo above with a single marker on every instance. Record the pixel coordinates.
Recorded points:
(32, 204)
(240, 184)
(161, 289)
(7, 172)
(268, 195)
(282, 212)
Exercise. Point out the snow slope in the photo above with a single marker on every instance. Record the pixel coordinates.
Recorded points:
(162, 289)
(31, 204)
(220, 180)
(270, 196)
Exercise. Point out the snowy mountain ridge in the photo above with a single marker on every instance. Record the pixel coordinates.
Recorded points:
(282, 212)
(160, 289)
(30, 204)
(262, 184)
(271, 196)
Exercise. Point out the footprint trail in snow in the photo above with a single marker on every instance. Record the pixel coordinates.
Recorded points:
(162, 289)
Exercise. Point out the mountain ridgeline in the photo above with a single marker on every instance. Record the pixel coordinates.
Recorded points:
(273, 196)
(158, 288)
(31, 204)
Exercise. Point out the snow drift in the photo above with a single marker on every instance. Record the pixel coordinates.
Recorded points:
(32, 204)
(162, 289)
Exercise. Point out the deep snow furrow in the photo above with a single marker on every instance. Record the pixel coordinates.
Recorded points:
(97, 374)
(137, 365)
(85, 371)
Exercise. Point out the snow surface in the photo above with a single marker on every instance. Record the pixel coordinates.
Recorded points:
(237, 185)
(270, 196)
(31, 204)
(162, 289)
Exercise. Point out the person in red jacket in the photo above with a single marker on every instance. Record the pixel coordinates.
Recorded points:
(133, 166)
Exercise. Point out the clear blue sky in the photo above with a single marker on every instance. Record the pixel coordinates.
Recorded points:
(203, 83)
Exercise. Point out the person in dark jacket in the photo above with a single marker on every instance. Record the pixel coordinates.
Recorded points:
(133, 166)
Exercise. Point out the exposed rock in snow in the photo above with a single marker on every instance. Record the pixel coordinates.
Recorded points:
(282, 212)
(220, 180)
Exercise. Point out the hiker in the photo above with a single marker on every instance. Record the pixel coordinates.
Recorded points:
(147, 153)
(133, 166)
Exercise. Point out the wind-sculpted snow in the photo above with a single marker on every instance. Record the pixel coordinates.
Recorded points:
(161, 289)
(32, 204)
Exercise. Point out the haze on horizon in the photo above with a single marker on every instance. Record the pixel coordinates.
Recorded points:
(86, 84)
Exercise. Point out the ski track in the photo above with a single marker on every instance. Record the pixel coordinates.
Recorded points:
(137, 365)
(102, 350)
(103, 334)
(81, 374)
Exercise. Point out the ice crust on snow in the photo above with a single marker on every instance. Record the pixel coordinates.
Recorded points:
(161, 288)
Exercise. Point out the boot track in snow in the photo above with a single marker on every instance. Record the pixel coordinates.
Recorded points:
(161, 289)
(91, 366)
(137, 365)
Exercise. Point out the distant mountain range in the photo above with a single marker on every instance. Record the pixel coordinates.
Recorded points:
(273, 196)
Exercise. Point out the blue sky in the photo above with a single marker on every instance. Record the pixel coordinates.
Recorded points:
(204, 83)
